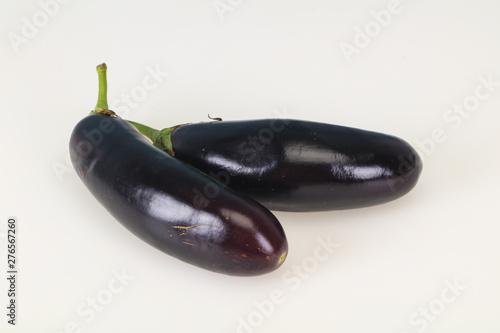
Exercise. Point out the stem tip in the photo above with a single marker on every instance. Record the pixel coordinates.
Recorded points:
(101, 67)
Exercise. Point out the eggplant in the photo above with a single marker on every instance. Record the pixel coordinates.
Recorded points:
(169, 204)
(296, 165)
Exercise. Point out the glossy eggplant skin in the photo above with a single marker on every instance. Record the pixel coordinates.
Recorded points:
(172, 206)
(301, 166)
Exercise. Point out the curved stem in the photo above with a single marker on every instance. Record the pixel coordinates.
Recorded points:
(150, 133)
(161, 139)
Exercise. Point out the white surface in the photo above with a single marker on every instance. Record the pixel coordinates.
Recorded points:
(393, 261)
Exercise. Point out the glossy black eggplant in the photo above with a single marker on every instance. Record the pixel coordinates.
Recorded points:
(295, 165)
(170, 205)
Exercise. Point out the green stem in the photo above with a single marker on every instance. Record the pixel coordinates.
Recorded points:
(150, 133)
(102, 99)
(101, 107)
(161, 139)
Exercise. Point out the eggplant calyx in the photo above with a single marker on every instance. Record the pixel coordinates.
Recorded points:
(164, 140)
(104, 112)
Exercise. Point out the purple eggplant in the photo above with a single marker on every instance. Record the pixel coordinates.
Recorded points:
(296, 165)
(169, 204)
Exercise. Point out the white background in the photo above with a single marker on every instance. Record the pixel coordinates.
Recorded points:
(394, 263)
